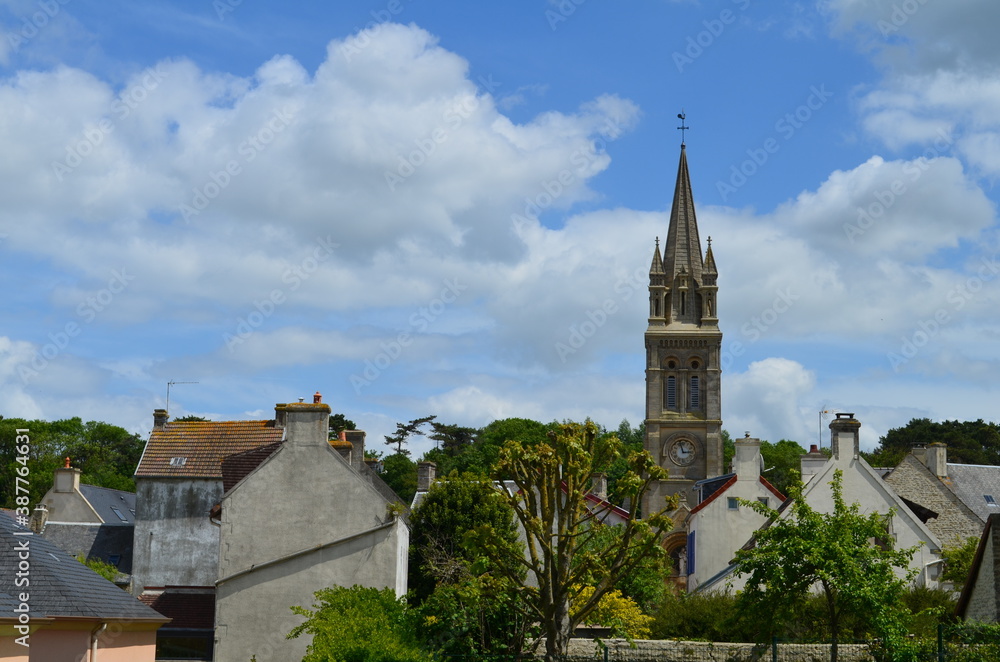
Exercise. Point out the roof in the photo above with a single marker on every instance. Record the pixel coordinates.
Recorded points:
(59, 584)
(188, 609)
(972, 483)
(237, 466)
(195, 449)
(683, 249)
(731, 480)
(102, 541)
(116, 507)
(990, 576)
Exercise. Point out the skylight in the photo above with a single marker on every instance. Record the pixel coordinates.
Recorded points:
(178, 461)
(119, 513)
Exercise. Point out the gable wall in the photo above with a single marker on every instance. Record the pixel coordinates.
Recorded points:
(912, 480)
(983, 603)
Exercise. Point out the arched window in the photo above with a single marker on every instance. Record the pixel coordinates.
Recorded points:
(695, 393)
(656, 307)
(683, 303)
(670, 394)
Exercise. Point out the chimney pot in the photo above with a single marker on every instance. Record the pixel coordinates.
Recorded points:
(813, 448)
(317, 398)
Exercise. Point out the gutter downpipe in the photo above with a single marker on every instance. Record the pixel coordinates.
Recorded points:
(93, 641)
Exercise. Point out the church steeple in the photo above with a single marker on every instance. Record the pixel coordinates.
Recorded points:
(683, 352)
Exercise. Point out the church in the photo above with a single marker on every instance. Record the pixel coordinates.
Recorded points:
(684, 426)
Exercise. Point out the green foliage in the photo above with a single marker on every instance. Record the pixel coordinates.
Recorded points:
(339, 423)
(728, 451)
(781, 463)
(616, 611)
(831, 551)
(969, 442)
(958, 561)
(107, 455)
(928, 607)
(359, 624)
(400, 473)
(189, 419)
(482, 456)
(106, 570)
(632, 440)
(711, 616)
(552, 479)
(406, 430)
(453, 506)
(646, 583)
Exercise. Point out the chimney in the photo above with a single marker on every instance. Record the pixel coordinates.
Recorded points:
(159, 418)
(357, 439)
(38, 518)
(373, 464)
(425, 475)
(599, 485)
(307, 423)
(844, 438)
(811, 463)
(937, 459)
(920, 452)
(342, 446)
(317, 398)
(67, 479)
(746, 462)
(279, 415)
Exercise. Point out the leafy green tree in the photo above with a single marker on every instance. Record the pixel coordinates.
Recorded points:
(781, 463)
(646, 583)
(339, 423)
(190, 419)
(958, 561)
(359, 624)
(483, 455)
(406, 430)
(633, 440)
(969, 442)
(400, 473)
(551, 480)
(834, 552)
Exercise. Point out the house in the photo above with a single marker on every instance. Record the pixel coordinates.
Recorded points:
(63, 610)
(980, 598)
(176, 549)
(86, 520)
(956, 499)
(720, 523)
(863, 485)
(303, 515)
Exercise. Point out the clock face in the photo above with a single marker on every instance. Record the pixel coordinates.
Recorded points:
(682, 452)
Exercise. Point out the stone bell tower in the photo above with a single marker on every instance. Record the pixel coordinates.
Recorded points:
(683, 350)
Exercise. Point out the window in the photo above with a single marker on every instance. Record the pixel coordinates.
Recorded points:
(990, 501)
(670, 397)
(119, 513)
(695, 395)
(683, 303)
(656, 307)
(178, 461)
(733, 503)
(763, 500)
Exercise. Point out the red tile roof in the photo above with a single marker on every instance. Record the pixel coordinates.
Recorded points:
(202, 445)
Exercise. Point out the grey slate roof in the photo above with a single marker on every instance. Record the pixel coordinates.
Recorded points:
(107, 501)
(102, 541)
(971, 483)
(59, 584)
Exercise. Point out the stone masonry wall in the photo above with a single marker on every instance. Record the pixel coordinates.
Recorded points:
(701, 651)
(955, 522)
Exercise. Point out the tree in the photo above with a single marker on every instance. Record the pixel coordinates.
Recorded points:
(404, 431)
(481, 458)
(969, 442)
(781, 463)
(359, 625)
(190, 419)
(551, 480)
(467, 607)
(848, 556)
(339, 423)
(958, 561)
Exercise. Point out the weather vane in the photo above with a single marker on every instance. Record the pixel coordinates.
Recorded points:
(683, 127)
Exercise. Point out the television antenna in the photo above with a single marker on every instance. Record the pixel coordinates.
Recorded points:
(169, 384)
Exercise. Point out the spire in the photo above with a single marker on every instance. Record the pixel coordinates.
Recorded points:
(710, 269)
(657, 266)
(683, 248)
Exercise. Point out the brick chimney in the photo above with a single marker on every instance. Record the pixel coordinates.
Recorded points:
(159, 418)
(67, 479)
(811, 463)
(937, 459)
(844, 438)
(357, 439)
(599, 485)
(425, 475)
(307, 423)
(746, 462)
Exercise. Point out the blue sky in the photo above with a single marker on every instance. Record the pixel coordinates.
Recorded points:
(418, 207)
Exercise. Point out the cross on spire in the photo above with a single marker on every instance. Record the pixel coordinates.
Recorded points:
(683, 127)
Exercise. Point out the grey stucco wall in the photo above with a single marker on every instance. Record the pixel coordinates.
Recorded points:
(175, 542)
(304, 496)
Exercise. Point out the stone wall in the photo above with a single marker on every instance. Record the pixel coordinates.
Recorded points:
(701, 651)
(955, 522)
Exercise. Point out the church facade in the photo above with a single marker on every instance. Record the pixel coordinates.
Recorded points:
(683, 352)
